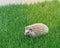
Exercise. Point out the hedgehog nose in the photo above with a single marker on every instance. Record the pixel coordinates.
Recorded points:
(26, 34)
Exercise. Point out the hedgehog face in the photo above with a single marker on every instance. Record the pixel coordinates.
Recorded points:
(28, 32)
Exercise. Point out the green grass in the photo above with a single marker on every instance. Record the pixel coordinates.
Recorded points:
(14, 18)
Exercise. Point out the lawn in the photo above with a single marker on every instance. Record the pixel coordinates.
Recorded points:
(14, 18)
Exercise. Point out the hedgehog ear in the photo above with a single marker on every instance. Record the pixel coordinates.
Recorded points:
(30, 29)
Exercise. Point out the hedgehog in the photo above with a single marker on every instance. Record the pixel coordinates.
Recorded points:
(36, 29)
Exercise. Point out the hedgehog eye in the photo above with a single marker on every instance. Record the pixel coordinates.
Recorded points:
(27, 32)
